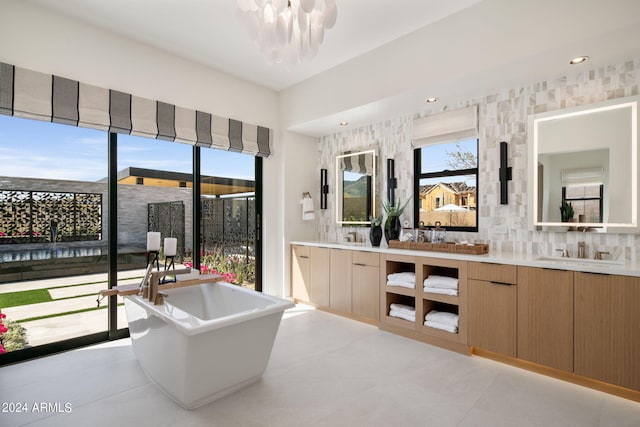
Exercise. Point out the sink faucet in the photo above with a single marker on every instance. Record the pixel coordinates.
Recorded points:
(351, 236)
(599, 254)
(565, 253)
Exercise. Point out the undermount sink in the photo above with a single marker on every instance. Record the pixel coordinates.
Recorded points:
(352, 243)
(581, 261)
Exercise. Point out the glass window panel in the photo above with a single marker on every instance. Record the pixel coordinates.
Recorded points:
(450, 200)
(53, 230)
(154, 194)
(449, 156)
(228, 223)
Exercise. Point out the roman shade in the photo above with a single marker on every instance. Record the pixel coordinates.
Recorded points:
(35, 95)
(448, 126)
(586, 176)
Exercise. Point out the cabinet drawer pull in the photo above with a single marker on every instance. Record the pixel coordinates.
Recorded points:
(502, 283)
(304, 256)
(360, 264)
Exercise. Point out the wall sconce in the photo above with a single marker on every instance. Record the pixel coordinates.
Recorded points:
(391, 182)
(505, 174)
(324, 189)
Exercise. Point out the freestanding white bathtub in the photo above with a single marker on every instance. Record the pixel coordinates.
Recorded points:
(206, 341)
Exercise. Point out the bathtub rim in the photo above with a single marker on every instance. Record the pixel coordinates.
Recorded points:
(193, 325)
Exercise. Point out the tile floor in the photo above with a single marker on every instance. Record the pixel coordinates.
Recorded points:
(324, 371)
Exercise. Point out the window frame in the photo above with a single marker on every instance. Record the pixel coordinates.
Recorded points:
(418, 175)
(584, 199)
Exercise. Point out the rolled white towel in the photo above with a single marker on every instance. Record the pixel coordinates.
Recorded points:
(404, 309)
(410, 285)
(448, 328)
(442, 317)
(402, 315)
(406, 276)
(443, 291)
(441, 282)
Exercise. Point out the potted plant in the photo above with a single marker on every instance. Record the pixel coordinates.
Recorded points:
(392, 225)
(566, 211)
(375, 235)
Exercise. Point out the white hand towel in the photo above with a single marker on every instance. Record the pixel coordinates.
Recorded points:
(410, 285)
(442, 317)
(441, 282)
(307, 209)
(443, 291)
(402, 315)
(406, 276)
(448, 328)
(404, 309)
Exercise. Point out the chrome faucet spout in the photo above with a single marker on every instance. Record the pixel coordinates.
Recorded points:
(581, 250)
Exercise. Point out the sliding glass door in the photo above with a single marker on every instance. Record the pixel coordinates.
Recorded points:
(53, 232)
(230, 210)
(76, 206)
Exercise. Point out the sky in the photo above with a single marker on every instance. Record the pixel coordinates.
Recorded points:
(35, 149)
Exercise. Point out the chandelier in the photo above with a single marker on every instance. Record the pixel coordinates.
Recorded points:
(287, 31)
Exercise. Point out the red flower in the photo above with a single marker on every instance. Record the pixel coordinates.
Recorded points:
(2, 350)
(3, 329)
(2, 315)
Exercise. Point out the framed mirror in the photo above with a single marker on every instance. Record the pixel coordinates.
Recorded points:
(583, 168)
(356, 175)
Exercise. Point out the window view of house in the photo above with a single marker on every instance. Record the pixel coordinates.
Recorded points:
(447, 182)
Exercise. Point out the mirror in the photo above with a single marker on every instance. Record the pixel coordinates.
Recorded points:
(356, 187)
(586, 158)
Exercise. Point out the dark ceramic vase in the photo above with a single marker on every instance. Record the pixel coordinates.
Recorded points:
(392, 229)
(375, 235)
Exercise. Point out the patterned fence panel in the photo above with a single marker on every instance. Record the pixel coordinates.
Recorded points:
(229, 224)
(45, 216)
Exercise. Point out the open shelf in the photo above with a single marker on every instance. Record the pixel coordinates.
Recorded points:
(392, 298)
(447, 299)
(427, 306)
(399, 290)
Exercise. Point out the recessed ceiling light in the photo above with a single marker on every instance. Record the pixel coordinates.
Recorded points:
(578, 60)
(344, 123)
(432, 99)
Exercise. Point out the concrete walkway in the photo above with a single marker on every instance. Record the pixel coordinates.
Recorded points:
(68, 294)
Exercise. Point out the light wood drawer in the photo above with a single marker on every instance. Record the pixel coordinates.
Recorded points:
(366, 258)
(490, 272)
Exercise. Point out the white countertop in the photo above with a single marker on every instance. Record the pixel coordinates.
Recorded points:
(555, 262)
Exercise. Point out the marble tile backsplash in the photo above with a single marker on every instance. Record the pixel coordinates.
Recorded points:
(502, 117)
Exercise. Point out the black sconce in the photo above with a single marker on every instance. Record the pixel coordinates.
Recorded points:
(324, 189)
(391, 182)
(505, 174)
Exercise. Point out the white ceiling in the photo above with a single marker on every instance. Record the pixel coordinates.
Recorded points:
(384, 57)
(208, 31)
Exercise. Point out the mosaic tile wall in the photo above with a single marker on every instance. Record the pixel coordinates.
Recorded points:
(503, 117)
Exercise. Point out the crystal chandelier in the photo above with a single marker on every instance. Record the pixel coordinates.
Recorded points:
(287, 31)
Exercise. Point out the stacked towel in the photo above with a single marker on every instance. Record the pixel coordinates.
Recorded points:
(406, 279)
(442, 320)
(441, 285)
(402, 311)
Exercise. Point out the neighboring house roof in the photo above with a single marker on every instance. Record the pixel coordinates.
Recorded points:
(453, 187)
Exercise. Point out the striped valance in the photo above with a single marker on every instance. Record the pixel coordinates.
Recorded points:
(34, 95)
(362, 162)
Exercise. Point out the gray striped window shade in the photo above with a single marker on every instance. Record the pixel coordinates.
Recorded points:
(34, 95)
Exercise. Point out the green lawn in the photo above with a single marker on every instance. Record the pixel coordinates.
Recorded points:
(15, 299)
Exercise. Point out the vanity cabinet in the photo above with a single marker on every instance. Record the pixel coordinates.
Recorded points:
(492, 307)
(340, 280)
(310, 274)
(300, 272)
(319, 275)
(607, 328)
(545, 317)
(365, 292)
